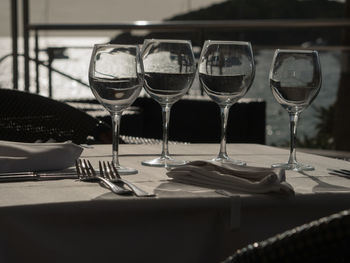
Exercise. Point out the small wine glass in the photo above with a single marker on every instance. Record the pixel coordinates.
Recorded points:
(169, 72)
(295, 81)
(116, 79)
(226, 72)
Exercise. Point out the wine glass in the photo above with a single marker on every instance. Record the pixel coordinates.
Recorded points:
(295, 81)
(116, 79)
(226, 72)
(169, 72)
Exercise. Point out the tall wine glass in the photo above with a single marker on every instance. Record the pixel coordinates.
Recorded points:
(295, 81)
(226, 72)
(116, 79)
(169, 72)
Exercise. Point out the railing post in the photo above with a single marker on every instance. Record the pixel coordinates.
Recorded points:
(201, 41)
(26, 43)
(50, 53)
(37, 80)
(14, 33)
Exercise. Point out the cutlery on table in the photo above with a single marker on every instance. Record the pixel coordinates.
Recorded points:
(111, 171)
(340, 172)
(36, 176)
(87, 173)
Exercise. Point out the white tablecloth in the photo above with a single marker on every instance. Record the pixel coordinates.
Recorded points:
(65, 220)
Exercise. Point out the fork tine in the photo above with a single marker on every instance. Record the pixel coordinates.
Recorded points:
(86, 168)
(77, 167)
(100, 169)
(103, 171)
(115, 171)
(340, 171)
(112, 172)
(91, 168)
(345, 171)
(107, 171)
(81, 166)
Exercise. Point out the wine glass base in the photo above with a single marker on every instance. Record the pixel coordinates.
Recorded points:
(298, 167)
(163, 161)
(228, 160)
(126, 170)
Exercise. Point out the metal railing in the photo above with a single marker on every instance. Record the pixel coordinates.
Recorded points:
(192, 26)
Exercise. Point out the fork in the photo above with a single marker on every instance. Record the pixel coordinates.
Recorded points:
(86, 172)
(340, 172)
(113, 174)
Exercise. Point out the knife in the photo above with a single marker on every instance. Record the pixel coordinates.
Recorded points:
(36, 176)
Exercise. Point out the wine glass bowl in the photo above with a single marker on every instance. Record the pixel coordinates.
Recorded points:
(295, 81)
(226, 72)
(169, 72)
(116, 79)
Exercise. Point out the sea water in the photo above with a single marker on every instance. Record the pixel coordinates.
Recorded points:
(277, 121)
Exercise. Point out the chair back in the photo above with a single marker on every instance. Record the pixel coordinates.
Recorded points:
(323, 240)
(27, 117)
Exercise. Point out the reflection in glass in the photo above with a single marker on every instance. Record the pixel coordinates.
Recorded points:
(226, 72)
(169, 72)
(295, 81)
(116, 79)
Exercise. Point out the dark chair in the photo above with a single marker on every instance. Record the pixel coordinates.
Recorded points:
(27, 117)
(323, 240)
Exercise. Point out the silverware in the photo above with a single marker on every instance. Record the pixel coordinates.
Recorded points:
(87, 173)
(36, 176)
(107, 167)
(340, 172)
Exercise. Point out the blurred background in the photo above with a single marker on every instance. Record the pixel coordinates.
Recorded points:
(267, 24)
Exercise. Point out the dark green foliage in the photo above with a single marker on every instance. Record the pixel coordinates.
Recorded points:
(324, 137)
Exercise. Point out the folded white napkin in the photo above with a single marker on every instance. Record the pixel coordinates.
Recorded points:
(22, 157)
(232, 177)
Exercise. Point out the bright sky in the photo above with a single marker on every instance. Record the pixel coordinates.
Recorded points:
(99, 11)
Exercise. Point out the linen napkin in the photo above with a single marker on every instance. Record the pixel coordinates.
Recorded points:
(232, 177)
(32, 157)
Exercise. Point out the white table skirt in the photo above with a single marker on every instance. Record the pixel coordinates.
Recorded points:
(63, 221)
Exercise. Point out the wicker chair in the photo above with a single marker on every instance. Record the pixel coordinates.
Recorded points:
(27, 117)
(323, 240)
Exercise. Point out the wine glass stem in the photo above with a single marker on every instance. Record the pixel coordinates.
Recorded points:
(166, 117)
(115, 137)
(224, 111)
(293, 135)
